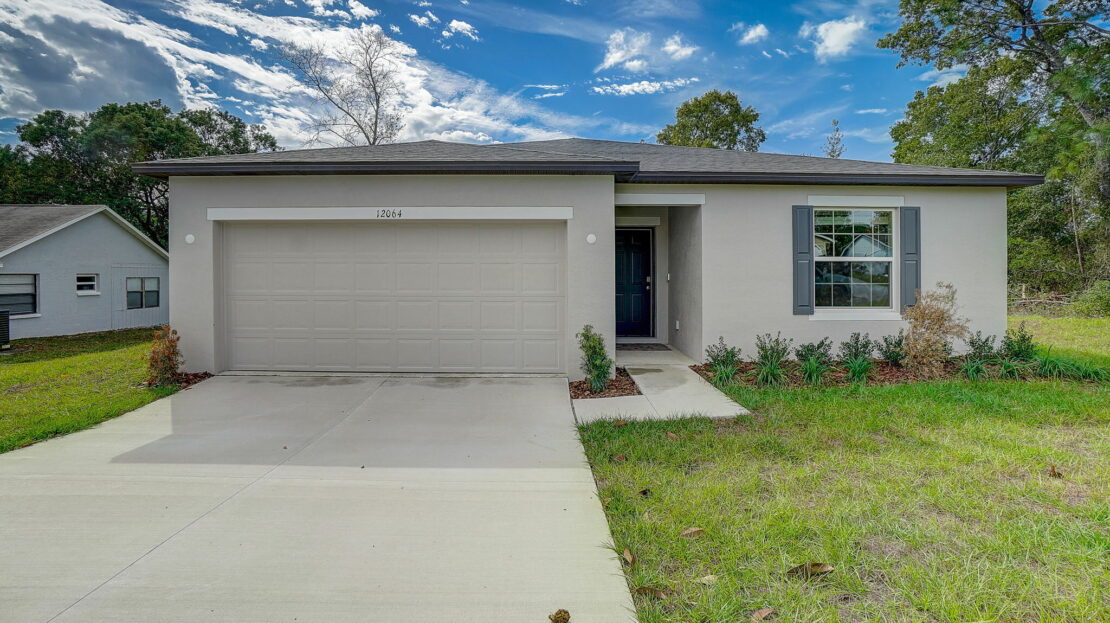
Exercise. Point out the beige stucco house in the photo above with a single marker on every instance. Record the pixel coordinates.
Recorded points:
(445, 257)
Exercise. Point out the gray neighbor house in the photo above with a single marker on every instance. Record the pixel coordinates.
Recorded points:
(446, 257)
(68, 269)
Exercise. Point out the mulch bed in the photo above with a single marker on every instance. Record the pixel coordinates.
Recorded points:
(185, 380)
(882, 374)
(644, 347)
(622, 385)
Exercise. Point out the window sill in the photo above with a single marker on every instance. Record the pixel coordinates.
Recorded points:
(25, 316)
(88, 294)
(887, 315)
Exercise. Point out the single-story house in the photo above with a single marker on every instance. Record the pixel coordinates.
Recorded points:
(444, 257)
(76, 268)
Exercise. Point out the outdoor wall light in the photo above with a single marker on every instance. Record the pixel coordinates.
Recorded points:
(590, 238)
(190, 238)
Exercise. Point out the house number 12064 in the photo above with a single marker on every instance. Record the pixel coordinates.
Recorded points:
(390, 214)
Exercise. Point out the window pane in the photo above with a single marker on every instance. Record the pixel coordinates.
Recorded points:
(151, 299)
(880, 272)
(134, 283)
(841, 272)
(880, 296)
(861, 272)
(843, 245)
(823, 295)
(861, 296)
(86, 287)
(822, 245)
(150, 283)
(822, 272)
(134, 300)
(842, 296)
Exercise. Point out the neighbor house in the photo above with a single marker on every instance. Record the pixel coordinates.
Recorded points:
(77, 268)
(446, 257)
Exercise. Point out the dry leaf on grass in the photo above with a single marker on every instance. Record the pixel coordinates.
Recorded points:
(620, 457)
(651, 591)
(692, 533)
(1055, 473)
(810, 570)
(559, 616)
(627, 558)
(708, 580)
(762, 614)
(671, 435)
(619, 423)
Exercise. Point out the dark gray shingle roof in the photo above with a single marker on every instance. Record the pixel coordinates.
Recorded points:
(629, 162)
(20, 223)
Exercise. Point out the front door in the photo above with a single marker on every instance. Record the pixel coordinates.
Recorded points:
(634, 267)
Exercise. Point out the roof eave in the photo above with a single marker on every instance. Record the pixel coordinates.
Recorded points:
(880, 179)
(623, 169)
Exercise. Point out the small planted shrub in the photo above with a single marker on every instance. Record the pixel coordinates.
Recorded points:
(857, 347)
(723, 360)
(859, 368)
(891, 348)
(770, 358)
(596, 362)
(164, 361)
(1009, 369)
(1052, 367)
(981, 347)
(1094, 301)
(822, 351)
(934, 324)
(974, 369)
(814, 369)
(1018, 345)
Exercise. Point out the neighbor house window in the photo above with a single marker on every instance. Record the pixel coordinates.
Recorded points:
(19, 294)
(142, 292)
(853, 257)
(87, 284)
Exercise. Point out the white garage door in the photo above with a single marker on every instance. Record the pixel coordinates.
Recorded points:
(395, 296)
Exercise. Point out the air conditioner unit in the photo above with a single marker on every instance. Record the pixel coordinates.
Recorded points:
(5, 330)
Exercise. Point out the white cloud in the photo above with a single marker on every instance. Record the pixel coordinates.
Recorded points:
(543, 96)
(259, 44)
(943, 77)
(767, 54)
(833, 38)
(753, 34)
(846, 87)
(395, 29)
(807, 124)
(622, 48)
(461, 136)
(546, 87)
(360, 10)
(643, 87)
(319, 8)
(431, 16)
(462, 28)
(678, 50)
(784, 53)
(880, 134)
(871, 111)
(420, 21)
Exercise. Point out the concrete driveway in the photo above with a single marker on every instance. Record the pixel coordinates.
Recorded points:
(305, 499)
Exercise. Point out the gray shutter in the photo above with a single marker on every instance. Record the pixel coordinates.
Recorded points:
(803, 260)
(910, 257)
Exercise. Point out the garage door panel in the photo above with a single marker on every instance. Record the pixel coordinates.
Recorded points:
(414, 296)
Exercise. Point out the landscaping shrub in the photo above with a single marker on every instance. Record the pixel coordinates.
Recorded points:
(723, 360)
(857, 347)
(859, 368)
(892, 348)
(1094, 301)
(1008, 369)
(822, 351)
(974, 369)
(1018, 345)
(981, 347)
(770, 358)
(596, 363)
(933, 325)
(1049, 366)
(164, 361)
(814, 369)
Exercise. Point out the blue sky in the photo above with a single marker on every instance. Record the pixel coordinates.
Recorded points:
(479, 70)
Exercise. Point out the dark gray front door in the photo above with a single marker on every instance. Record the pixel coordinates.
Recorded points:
(634, 282)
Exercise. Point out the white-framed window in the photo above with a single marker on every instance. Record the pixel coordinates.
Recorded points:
(853, 251)
(19, 294)
(88, 284)
(143, 292)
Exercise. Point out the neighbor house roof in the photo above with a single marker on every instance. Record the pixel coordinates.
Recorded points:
(24, 225)
(628, 162)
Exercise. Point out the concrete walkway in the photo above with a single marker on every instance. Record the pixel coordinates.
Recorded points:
(669, 389)
(314, 499)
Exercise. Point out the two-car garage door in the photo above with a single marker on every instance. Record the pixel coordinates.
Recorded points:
(395, 296)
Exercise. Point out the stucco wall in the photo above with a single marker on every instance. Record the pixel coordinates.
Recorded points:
(686, 285)
(194, 268)
(745, 251)
(95, 245)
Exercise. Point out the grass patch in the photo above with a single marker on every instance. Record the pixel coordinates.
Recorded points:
(931, 500)
(58, 385)
(1083, 339)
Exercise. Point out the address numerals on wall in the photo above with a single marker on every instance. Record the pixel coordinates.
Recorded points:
(389, 213)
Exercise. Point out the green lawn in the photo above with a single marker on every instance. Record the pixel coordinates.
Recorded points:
(1087, 339)
(932, 501)
(58, 385)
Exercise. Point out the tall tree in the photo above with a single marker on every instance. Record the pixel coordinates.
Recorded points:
(1062, 45)
(714, 119)
(66, 158)
(834, 142)
(357, 89)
